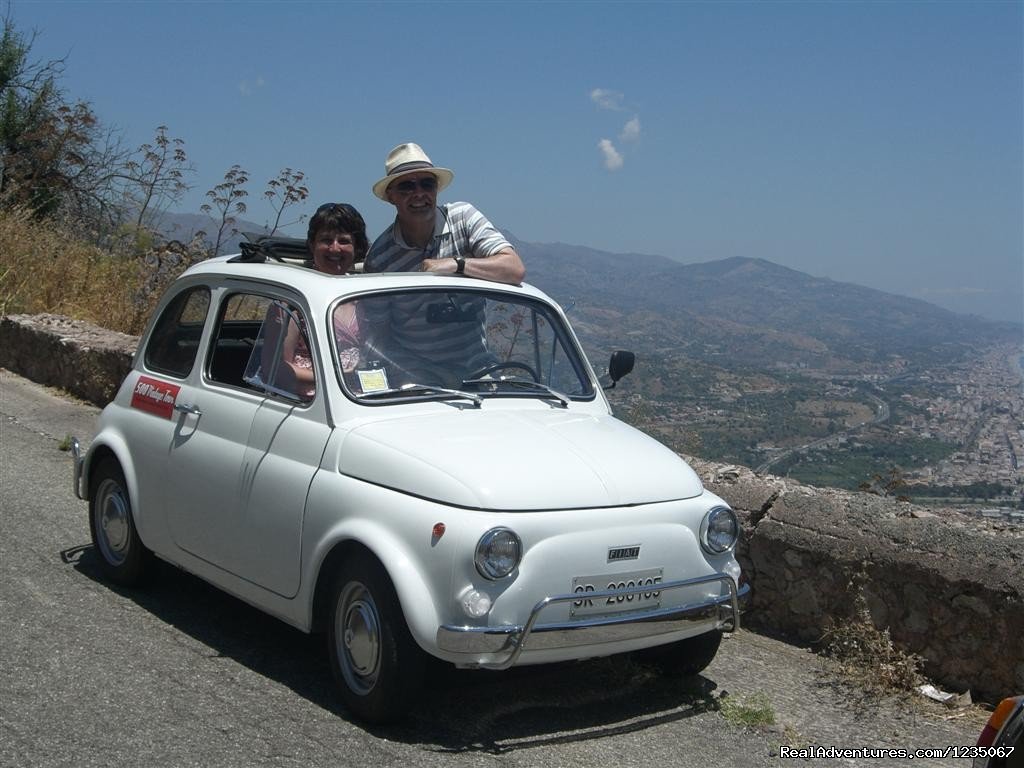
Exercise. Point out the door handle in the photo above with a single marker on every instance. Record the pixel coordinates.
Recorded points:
(188, 408)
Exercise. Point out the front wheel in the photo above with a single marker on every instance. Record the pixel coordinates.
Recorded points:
(685, 657)
(123, 557)
(377, 666)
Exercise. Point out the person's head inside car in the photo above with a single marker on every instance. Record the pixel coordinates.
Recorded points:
(336, 238)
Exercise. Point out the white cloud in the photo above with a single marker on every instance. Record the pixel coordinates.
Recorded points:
(606, 99)
(612, 158)
(631, 130)
(246, 88)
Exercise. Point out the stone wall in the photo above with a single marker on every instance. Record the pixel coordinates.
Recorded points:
(88, 361)
(949, 588)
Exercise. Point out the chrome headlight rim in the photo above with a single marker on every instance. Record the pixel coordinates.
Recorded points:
(485, 566)
(711, 531)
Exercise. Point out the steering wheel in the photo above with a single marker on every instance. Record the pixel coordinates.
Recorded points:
(510, 365)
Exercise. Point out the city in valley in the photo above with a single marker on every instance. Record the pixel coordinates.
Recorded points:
(945, 434)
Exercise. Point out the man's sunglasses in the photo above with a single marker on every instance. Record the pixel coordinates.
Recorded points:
(427, 184)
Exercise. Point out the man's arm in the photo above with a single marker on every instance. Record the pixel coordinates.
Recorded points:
(504, 266)
(489, 255)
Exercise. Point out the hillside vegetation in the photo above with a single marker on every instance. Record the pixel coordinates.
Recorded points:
(45, 269)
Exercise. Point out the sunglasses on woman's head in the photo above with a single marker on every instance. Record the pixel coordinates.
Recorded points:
(343, 207)
(427, 184)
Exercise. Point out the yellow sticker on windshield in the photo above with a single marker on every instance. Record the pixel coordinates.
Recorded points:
(373, 380)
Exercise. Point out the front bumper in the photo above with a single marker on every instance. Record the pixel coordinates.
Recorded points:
(512, 639)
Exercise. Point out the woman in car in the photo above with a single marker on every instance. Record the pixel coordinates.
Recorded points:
(337, 240)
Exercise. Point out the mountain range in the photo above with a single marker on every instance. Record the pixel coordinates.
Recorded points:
(741, 312)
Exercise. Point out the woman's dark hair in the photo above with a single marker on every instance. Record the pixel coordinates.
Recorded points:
(339, 217)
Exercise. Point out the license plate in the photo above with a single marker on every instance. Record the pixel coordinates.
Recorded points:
(650, 597)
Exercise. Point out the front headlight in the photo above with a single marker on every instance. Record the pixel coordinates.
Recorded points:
(719, 530)
(498, 553)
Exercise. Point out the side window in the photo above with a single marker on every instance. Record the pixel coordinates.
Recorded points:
(282, 362)
(174, 342)
(262, 344)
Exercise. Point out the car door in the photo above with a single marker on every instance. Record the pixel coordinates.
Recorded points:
(252, 450)
(207, 450)
(285, 447)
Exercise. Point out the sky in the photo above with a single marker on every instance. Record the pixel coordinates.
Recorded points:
(878, 143)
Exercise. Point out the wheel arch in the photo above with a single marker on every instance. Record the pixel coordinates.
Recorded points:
(414, 596)
(113, 449)
(340, 552)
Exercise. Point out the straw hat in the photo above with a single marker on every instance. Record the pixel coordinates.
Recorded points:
(405, 159)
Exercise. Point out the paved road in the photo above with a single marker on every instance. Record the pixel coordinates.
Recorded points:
(183, 675)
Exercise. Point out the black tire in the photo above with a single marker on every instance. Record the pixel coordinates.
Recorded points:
(378, 667)
(687, 657)
(123, 558)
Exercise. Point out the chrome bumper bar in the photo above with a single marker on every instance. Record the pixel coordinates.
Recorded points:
(79, 465)
(512, 639)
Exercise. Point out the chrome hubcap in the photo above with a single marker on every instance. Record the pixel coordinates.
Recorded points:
(112, 523)
(358, 634)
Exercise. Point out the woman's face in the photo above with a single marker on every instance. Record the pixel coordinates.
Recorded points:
(334, 251)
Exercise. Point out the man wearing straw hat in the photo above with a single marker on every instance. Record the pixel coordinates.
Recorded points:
(449, 239)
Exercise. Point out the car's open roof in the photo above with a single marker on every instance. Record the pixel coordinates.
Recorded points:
(257, 248)
(286, 261)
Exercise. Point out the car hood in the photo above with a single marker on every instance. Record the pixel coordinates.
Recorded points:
(517, 460)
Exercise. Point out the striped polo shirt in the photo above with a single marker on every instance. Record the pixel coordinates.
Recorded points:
(417, 350)
(459, 230)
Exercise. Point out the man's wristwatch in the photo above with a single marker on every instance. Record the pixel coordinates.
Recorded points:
(460, 265)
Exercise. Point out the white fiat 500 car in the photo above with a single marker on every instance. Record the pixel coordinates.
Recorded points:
(414, 464)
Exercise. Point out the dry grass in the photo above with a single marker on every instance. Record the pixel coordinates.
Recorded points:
(43, 269)
(866, 653)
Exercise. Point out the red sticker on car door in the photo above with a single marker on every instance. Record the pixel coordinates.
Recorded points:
(155, 396)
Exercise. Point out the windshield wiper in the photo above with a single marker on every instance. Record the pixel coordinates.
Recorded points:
(524, 384)
(440, 393)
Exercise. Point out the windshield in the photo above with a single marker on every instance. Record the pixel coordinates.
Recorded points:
(455, 344)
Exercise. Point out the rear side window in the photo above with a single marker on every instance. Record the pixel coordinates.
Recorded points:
(174, 342)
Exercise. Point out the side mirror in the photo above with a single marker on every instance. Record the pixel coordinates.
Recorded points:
(622, 363)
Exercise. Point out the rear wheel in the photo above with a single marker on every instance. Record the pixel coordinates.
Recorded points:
(378, 667)
(685, 657)
(123, 557)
